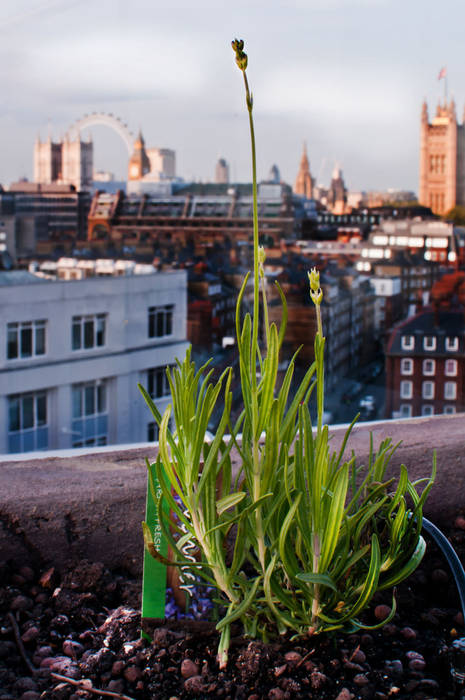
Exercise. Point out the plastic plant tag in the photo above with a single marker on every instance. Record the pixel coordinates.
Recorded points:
(154, 576)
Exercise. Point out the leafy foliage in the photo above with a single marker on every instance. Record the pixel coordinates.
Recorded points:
(301, 537)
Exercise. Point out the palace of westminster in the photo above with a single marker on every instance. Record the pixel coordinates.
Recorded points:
(441, 181)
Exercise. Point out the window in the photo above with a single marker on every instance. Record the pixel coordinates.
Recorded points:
(152, 432)
(25, 339)
(429, 367)
(406, 366)
(450, 390)
(429, 342)
(88, 332)
(427, 410)
(408, 342)
(157, 383)
(160, 321)
(450, 368)
(27, 422)
(427, 390)
(452, 343)
(449, 410)
(405, 410)
(406, 389)
(89, 424)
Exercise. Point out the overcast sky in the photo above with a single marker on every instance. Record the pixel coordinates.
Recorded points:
(346, 76)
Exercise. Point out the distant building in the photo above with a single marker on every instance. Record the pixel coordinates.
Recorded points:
(139, 163)
(304, 183)
(222, 172)
(66, 162)
(43, 216)
(337, 193)
(274, 176)
(425, 365)
(442, 159)
(73, 352)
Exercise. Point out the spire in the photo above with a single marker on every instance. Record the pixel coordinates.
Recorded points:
(452, 109)
(424, 113)
(304, 181)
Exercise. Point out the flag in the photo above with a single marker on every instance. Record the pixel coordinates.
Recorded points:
(442, 73)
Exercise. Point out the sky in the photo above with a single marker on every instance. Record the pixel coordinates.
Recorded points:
(347, 77)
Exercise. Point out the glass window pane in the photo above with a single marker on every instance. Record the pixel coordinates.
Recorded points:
(27, 412)
(41, 409)
(77, 401)
(102, 425)
(169, 322)
(40, 340)
(12, 346)
(76, 335)
(14, 442)
(151, 323)
(100, 331)
(28, 441)
(101, 398)
(160, 324)
(13, 421)
(150, 381)
(89, 333)
(159, 383)
(26, 341)
(89, 400)
(42, 438)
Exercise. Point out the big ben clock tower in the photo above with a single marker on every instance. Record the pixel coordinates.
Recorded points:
(139, 164)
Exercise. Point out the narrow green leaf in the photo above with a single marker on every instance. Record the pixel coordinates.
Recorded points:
(319, 579)
(229, 501)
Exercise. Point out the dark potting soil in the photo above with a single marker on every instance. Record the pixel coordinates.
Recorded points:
(78, 636)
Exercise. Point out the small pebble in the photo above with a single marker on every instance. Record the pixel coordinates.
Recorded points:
(72, 648)
(345, 694)
(189, 668)
(293, 658)
(30, 634)
(194, 685)
(132, 674)
(116, 686)
(317, 680)
(358, 657)
(460, 522)
(20, 602)
(417, 664)
(382, 612)
(408, 633)
(276, 694)
(117, 668)
(360, 679)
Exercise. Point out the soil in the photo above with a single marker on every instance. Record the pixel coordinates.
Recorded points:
(77, 635)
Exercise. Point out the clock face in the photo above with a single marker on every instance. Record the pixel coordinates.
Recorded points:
(134, 170)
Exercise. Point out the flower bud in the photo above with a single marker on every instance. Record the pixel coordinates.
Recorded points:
(261, 254)
(241, 57)
(316, 293)
(314, 279)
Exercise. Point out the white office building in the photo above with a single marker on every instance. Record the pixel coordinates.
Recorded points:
(72, 353)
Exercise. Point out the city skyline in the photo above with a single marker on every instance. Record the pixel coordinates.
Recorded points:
(348, 77)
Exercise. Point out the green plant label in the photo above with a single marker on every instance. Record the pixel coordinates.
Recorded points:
(154, 576)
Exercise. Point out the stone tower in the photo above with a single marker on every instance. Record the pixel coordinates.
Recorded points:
(47, 161)
(337, 194)
(139, 163)
(67, 162)
(442, 159)
(304, 182)
(222, 172)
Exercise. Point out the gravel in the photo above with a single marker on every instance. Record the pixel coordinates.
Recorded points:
(77, 635)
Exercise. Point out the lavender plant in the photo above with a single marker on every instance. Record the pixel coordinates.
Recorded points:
(300, 538)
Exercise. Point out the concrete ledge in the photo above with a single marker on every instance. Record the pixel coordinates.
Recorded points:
(58, 509)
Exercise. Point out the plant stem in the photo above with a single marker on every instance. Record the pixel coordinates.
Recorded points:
(254, 349)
